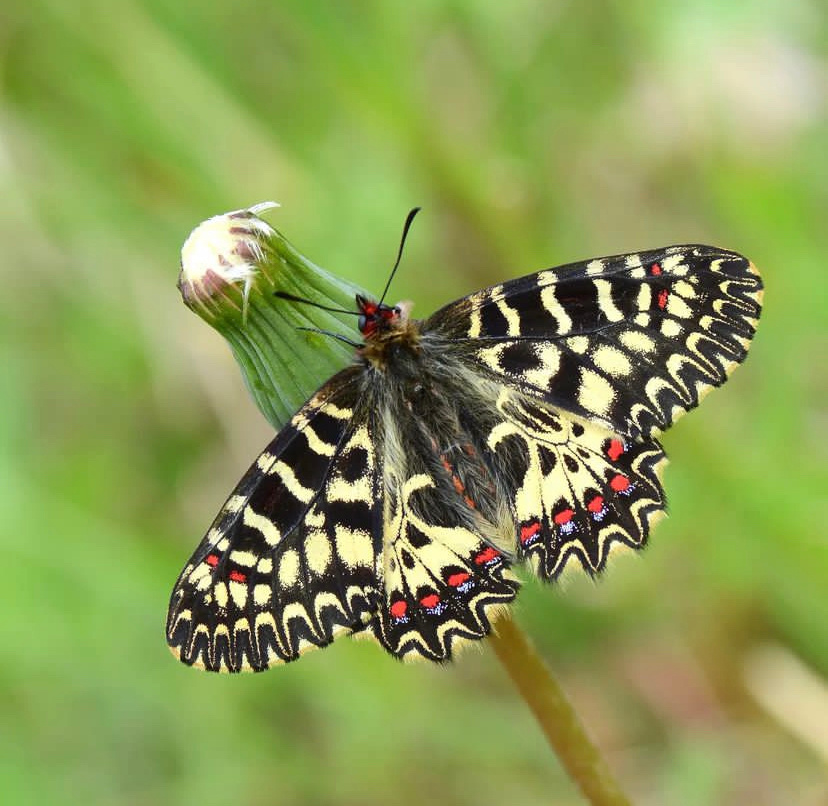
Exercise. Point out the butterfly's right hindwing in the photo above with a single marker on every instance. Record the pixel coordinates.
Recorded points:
(575, 490)
(289, 562)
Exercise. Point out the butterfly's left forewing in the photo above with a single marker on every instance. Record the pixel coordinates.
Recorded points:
(289, 562)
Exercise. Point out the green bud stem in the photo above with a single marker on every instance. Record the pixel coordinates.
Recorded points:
(231, 267)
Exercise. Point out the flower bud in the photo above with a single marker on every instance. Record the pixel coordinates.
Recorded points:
(232, 265)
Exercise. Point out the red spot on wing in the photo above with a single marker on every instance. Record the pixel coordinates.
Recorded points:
(596, 504)
(662, 298)
(619, 483)
(655, 269)
(212, 559)
(528, 531)
(487, 555)
(432, 600)
(399, 608)
(238, 576)
(563, 517)
(615, 449)
(455, 580)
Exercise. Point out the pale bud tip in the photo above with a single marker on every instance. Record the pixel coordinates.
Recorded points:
(223, 250)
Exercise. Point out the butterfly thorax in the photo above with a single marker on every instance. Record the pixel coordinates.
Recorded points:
(391, 336)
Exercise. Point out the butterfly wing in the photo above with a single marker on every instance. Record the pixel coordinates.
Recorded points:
(576, 490)
(581, 366)
(632, 341)
(289, 562)
(443, 583)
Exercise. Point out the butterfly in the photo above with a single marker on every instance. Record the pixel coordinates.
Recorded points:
(517, 425)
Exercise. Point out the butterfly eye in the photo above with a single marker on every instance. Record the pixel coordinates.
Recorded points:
(397, 310)
(362, 323)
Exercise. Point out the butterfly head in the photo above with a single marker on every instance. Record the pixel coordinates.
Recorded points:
(389, 334)
(377, 318)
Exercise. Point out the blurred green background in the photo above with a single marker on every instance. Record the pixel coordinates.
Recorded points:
(533, 133)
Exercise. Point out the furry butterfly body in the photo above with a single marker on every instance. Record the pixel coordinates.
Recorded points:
(515, 425)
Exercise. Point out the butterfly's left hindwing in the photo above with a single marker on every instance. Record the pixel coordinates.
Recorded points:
(289, 562)
(443, 583)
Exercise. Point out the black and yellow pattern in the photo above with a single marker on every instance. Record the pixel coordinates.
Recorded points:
(517, 424)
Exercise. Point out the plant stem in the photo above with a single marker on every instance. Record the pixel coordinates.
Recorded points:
(558, 720)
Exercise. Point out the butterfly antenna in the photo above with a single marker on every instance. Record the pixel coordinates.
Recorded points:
(294, 298)
(336, 336)
(408, 219)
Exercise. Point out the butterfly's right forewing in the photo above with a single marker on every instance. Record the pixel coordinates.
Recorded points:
(632, 341)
